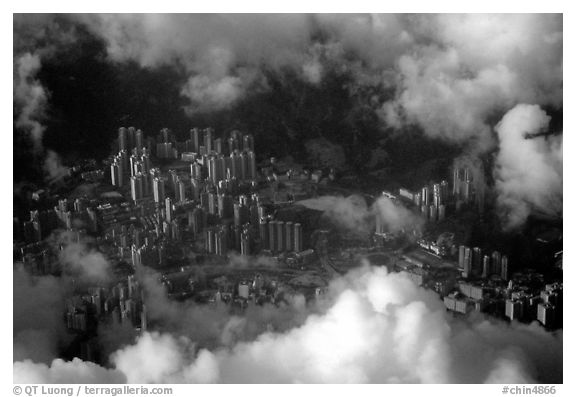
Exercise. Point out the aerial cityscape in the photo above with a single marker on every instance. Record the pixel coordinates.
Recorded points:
(287, 198)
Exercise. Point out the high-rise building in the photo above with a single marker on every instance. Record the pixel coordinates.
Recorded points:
(136, 257)
(159, 191)
(485, 266)
(134, 165)
(241, 214)
(477, 261)
(173, 179)
(437, 198)
(245, 244)
(441, 213)
(261, 211)
(218, 145)
(496, 262)
(504, 268)
(221, 242)
(466, 190)
(194, 190)
(196, 138)
(467, 262)
(425, 209)
(225, 206)
(289, 236)
(145, 159)
(181, 195)
(546, 314)
(236, 235)
(444, 190)
(248, 144)
(251, 159)
(243, 199)
(298, 247)
(204, 198)
(136, 188)
(169, 210)
(244, 290)
(216, 167)
(418, 199)
(116, 175)
(198, 220)
(461, 257)
(280, 236)
(263, 232)
(514, 309)
(272, 236)
(143, 319)
(228, 167)
(131, 138)
(210, 241)
(122, 139)
(208, 139)
(146, 184)
(244, 166)
(237, 167)
(212, 203)
(233, 145)
(31, 231)
(122, 159)
(139, 141)
(425, 196)
(93, 219)
(253, 209)
(433, 213)
(456, 182)
(196, 171)
(237, 135)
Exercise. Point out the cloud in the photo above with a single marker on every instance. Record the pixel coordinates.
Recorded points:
(214, 324)
(36, 38)
(241, 261)
(223, 55)
(376, 327)
(395, 216)
(77, 258)
(54, 169)
(39, 300)
(450, 74)
(353, 213)
(60, 371)
(38, 327)
(30, 97)
(528, 168)
(471, 66)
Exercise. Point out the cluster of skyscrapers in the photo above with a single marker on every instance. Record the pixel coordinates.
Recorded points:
(466, 189)
(120, 304)
(209, 165)
(207, 201)
(476, 264)
(431, 200)
(545, 306)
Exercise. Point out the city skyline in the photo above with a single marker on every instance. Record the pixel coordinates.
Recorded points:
(302, 198)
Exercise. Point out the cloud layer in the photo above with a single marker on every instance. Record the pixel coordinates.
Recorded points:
(353, 213)
(452, 75)
(30, 97)
(528, 167)
(376, 327)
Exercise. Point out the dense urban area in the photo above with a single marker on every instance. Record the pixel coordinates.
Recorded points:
(218, 225)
